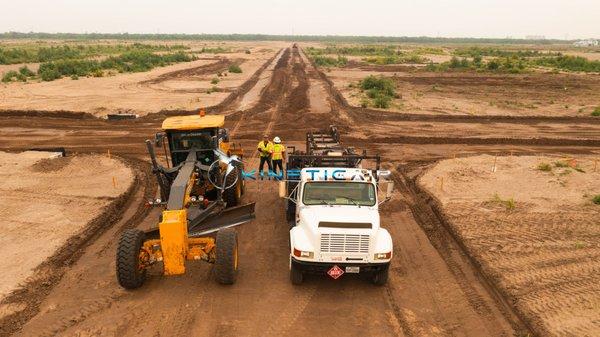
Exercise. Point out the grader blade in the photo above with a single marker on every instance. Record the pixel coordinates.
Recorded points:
(229, 217)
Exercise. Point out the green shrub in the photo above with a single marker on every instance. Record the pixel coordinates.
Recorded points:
(214, 81)
(326, 61)
(544, 167)
(234, 68)
(8, 76)
(596, 199)
(97, 73)
(596, 112)
(26, 72)
(510, 203)
(380, 90)
(49, 74)
(133, 61)
(213, 89)
(382, 101)
(490, 51)
(379, 83)
(560, 163)
(569, 63)
(396, 59)
(71, 52)
(248, 52)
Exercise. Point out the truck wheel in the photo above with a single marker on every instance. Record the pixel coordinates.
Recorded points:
(131, 273)
(380, 278)
(296, 275)
(233, 194)
(290, 214)
(226, 264)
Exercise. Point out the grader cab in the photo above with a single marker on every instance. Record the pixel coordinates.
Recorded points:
(200, 193)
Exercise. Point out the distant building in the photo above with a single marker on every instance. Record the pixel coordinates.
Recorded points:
(586, 43)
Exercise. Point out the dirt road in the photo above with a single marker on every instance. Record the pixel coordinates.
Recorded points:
(434, 289)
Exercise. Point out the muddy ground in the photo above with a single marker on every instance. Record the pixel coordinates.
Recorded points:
(436, 287)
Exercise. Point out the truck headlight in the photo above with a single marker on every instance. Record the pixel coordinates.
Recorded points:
(383, 256)
(303, 253)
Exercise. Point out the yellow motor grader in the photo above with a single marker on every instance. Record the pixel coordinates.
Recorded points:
(200, 192)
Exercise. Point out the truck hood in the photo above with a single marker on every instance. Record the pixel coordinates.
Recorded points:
(311, 216)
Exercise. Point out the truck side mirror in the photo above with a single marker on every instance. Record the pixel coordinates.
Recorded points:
(388, 192)
(159, 139)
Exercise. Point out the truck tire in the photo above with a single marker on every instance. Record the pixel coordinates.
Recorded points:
(296, 275)
(233, 195)
(380, 278)
(226, 264)
(130, 273)
(290, 213)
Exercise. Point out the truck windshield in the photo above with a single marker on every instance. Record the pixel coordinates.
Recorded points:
(339, 193)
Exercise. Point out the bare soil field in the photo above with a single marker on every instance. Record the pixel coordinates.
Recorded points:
(47, 201)
(534, 232)
(183, 86)
(436, 287)
(458, 93)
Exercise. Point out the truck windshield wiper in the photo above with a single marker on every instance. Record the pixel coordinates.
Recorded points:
(325, 201)
(354, 201)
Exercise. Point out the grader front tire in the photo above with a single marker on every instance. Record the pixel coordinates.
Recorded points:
(130, 273)
(233, 195)
(226, 264)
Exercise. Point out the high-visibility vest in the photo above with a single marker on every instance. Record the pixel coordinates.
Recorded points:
(278, 150)
(265, 150)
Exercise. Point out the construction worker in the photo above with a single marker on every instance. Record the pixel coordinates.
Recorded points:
(278, 151)
(265, 150)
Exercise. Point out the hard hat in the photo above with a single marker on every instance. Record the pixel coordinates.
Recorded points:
(276, 140)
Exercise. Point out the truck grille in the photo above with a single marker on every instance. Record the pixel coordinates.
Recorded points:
(344, 243)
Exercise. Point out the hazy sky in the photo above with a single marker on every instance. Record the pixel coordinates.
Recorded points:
(459, 18)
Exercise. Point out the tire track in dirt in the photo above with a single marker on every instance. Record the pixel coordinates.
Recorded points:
(445, 241)
(487, 315)
(212, 68)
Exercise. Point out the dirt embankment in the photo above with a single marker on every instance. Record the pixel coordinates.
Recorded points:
(220, 65)
(530, 224)
(48, 239)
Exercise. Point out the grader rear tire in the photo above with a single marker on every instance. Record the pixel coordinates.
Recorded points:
(130, 273)
(233, 195)
(226, 264)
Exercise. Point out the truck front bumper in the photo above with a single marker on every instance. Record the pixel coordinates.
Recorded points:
(323, 267)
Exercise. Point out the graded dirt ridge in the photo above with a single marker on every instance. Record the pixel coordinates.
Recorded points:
(531, 223)
(45, 202)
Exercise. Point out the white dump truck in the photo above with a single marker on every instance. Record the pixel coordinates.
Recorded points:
(333, 211)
